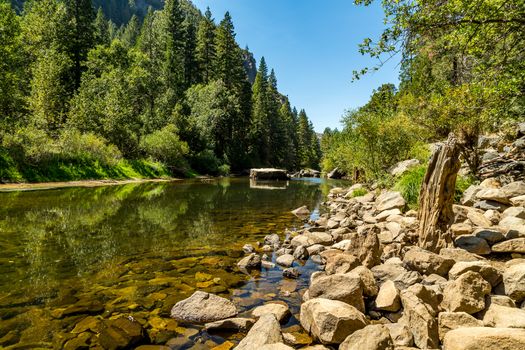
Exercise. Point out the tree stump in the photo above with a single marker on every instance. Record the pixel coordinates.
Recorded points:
(436, 197)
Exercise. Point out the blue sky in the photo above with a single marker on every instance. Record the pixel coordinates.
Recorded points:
(313, 47)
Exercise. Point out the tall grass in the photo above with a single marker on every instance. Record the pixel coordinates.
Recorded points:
(409, 185)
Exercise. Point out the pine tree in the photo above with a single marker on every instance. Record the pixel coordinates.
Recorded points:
(131, 32)
(260, 142)
(101, 29)
(205, 51)
(191, 69)
(229, 64)
(174, 52)
(276, 132)
(80, 16)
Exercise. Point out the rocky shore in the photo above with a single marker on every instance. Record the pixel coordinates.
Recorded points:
(376, 289)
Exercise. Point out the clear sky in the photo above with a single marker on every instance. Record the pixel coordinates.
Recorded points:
(313, 47)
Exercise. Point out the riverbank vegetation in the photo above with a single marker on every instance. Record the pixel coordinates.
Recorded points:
(462, 71)
(171, 93)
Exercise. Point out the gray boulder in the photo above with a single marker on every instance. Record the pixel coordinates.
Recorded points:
(203, 307)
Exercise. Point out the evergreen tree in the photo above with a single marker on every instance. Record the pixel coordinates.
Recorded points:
(101, 29)
(80, 17)
(131, 32)
(205, 50)
(277, 132)
(191, 69)
(260, 123)
(173, 72)
(229, 64)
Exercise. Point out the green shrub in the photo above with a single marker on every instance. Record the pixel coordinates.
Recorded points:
(359, 192)
(31, 145)
(76, 146)
(205, 162)
(409, 184)
(224, 170)
(165, 145)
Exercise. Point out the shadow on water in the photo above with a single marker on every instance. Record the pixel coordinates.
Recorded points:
(137, 249)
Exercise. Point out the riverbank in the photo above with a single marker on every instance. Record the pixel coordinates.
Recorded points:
(377, 289)
(40, 186)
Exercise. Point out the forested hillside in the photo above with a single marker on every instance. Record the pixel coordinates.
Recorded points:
(80, 93)
(462, 71)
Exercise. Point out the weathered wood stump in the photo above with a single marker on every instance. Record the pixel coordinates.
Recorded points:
(436, 197)
(268, 174)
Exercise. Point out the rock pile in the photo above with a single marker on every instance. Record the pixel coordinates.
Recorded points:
(378, 290)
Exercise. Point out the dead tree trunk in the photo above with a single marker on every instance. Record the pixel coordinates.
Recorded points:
(437, 197)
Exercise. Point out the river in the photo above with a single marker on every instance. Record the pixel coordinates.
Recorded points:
(92, 254)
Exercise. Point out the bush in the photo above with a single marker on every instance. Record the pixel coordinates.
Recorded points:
(30, 145)
(165, 145)
(205, 162)
(359, 192)
(409, 185)
(224, 170)
(87, 147)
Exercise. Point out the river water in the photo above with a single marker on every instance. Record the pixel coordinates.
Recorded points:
(86, 255)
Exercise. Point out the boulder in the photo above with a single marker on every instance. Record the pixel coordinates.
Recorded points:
(514, 282)
(368, 282)
(373, 337)
(342, 287)
(120, 333)
(265, 331)
(280, 311)
(302, 240)
(486, 338)
(341, 263)
(504, 317)
(390, 200)
(366, 246)
(382, 216)
(233, 324)
(453, 320)
(513, 223)
(301, 212)
(323, 238)
(251, 261)
(473, 244)
(427, 262)
(301, 253)
(460, 229)
(490, 205)
(514, 189)
(331, 321)
(493, 194)
(336, 174)
(420, 318)
(466, 294)
(388, 297)
(487, 271)
(458, 254)
(268, 174)
(518, 201)
(272, 240)
(315, 249)
(477, 218)
(248, 248)
(291, 272)
(517, 212)
(402, 167)
(516, 245)
(400, 334)
(276, 346)
(285, 260)
(203, 307)
(387, 271)
(470, 195)
(492, 236)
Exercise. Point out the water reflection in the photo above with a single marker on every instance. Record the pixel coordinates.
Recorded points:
(117, 246)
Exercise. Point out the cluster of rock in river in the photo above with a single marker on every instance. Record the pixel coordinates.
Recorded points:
(378, 290)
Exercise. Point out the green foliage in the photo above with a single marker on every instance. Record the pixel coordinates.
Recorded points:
(82, 96)
(164, 145)
(359, 192)
(409, 185)
(376, 136)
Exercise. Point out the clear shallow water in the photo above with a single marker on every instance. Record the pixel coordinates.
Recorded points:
(135, 250)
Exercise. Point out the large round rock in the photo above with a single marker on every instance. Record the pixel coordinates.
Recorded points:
(203, 307)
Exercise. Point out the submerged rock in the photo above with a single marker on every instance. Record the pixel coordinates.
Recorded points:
(203, 307)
